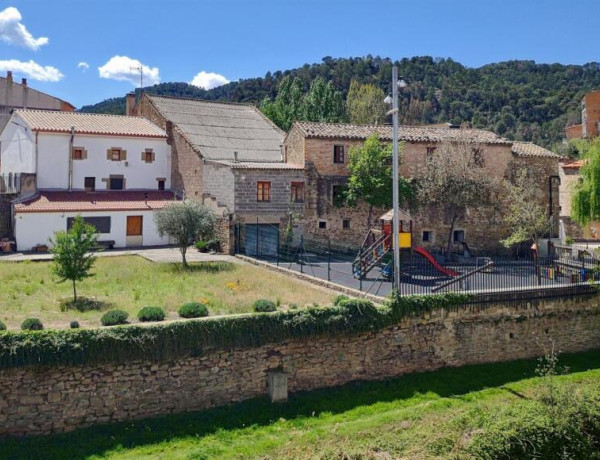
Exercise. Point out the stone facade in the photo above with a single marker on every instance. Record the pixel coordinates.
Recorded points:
(59, 399)
(483, 226)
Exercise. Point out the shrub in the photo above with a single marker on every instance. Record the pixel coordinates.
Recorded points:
(74, 324)
(263, 305)
(340, 299)
(193, 310)
(114, 317)
(151, 314)
(202, 246)
(569, 240)
(213, 245)
(32, 324)
(2, 326)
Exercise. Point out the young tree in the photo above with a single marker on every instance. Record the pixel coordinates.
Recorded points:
(371, 176)
(71, 249)
(323, 103)
(288, 104)
(453, 178)
(364, 104)
(185, 221)
(585, 204)
(527, 218)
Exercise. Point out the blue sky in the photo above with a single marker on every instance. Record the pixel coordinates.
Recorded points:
(178, 39)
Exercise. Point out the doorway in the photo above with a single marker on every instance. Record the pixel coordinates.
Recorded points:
(134, 231)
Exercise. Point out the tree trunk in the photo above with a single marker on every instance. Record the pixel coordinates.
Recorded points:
(183, 250)
(74, 292)
(370, 216)
(450, 233)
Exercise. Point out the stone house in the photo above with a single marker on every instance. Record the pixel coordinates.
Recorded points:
(590, 118)
(229, 156)
(323, 151)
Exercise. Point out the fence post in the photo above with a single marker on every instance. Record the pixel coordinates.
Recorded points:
(329, 259)
(301, 251)
(277, 247)
(256, 236)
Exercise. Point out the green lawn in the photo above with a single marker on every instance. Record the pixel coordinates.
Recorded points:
(30, 290)
(431, 415)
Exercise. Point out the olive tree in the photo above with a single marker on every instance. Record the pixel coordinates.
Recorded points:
(184, 221)
(71, 250)
(453, 178)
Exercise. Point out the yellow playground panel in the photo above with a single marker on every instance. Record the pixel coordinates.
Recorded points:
(404, 240)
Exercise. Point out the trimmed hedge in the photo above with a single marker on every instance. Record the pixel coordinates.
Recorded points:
(339, 300)
(193, 338)
(114, 317)
(193, 310)
(151, 314)
(264, 306)
(32, 324)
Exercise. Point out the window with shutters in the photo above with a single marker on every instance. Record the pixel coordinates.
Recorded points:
(338, 154)
(298, 192)
(263, 191)
(89, 184)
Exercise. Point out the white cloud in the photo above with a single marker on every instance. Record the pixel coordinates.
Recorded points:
(32, 70)
(208, 80)
(83, 65)
(123, 68)
(15, 33)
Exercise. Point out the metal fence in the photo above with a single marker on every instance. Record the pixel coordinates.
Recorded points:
(332, 260)
(10, 183)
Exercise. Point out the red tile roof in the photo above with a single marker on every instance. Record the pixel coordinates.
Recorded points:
(574, 164)
(80, 201)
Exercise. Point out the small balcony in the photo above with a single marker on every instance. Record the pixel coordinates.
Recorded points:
(10, 183)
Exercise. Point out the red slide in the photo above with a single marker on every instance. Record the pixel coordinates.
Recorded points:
(425, 253)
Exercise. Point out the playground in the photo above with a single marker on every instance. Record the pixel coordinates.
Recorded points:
(369, 268)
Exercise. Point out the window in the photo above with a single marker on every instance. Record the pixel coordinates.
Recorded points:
(427, 236)
(148, 156)
(322, 224)
(161, 184)
(89, 184)
(346, 224)
(263, 191)
(478, 159)
(338, 154)
(102, 224)
(430, 150)
(297, 192)
(337, 194)
(116, 183)
(115, 155)
(459, 236)
(77, 154)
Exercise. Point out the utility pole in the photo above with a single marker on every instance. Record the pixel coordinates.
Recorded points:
(396, 198)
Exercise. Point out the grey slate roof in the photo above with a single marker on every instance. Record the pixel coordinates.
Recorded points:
(406, 133)
(529, 149)
(259, 165)
(217, 129)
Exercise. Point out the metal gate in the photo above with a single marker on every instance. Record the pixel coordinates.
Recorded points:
(261, 240)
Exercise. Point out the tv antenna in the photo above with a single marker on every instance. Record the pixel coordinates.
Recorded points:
(140, 69)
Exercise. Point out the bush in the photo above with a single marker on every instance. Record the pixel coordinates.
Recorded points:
(193, 310)
(202, 246)
(340, 299)
(2, 326)
(114, 317)
(213, 245)
(32, 324)
(263, 305)
(74, 324)
(151, 314)
(569, 240)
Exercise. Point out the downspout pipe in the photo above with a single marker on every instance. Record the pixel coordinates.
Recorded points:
(551, 204)
(71, 158)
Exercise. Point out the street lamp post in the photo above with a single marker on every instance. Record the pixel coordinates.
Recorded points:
(396, 199)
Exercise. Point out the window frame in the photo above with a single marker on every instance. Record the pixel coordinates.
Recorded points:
(91, 219)
(339, 156)
(110, 183)
(263, 191)
(294, 188)
(161, 184)
(346, 224)
(429, 238)
(322, 225)
(112, 154)
(77, 153)
(85, 185)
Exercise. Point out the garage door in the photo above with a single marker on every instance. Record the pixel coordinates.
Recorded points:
(261, 240)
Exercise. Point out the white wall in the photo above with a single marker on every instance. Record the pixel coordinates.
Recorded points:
(53, 161)
(32, 229)
(17, 149)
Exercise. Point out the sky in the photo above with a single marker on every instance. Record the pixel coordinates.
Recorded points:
(84, 51)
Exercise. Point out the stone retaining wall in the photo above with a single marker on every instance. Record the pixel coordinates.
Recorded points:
(50, 400)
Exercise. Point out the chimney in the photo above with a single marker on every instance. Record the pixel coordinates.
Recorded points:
(9, 76)
(130, 104)
(24, 82)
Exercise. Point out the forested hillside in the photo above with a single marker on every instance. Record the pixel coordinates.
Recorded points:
(517, 99)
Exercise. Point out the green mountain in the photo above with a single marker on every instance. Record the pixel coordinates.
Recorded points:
(521, 100)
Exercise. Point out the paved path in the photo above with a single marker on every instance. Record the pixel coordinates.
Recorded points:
(163, 255)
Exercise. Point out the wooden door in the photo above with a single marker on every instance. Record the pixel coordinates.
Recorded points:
(134, 225)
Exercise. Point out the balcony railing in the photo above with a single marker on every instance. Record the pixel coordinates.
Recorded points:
(10, 183)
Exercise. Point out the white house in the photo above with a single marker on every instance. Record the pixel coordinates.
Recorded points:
(113, 170)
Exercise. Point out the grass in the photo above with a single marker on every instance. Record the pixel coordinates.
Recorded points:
(30, 290)
(429, 415)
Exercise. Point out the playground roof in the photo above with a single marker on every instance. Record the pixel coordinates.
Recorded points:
(404, 215)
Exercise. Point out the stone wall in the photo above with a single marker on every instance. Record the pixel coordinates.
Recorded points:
(58, 399)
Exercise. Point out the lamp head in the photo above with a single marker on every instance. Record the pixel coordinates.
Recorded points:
(402, 83)
(388, 99)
